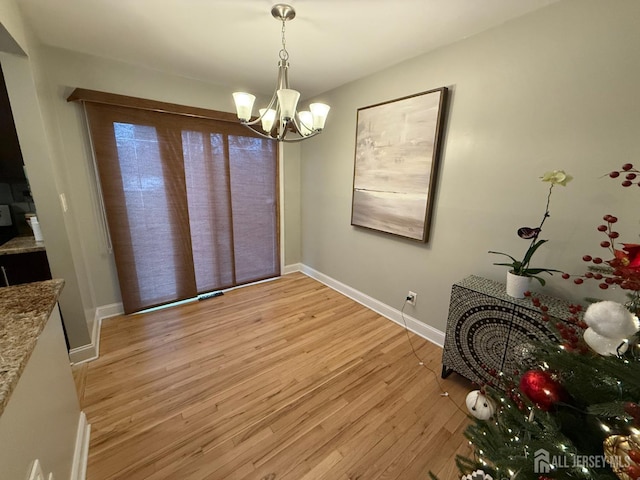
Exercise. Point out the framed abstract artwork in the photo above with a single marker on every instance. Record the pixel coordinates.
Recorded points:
(396, 164)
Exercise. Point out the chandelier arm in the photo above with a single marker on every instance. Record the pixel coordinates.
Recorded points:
(255, 130)
(296, 127)
(299, 130)
(286, 140)
(278, 112)
(310, 128)
(300, 139)
(282, 129)
(289, 126)
(297, 139)
(273, 100)
(282, 82)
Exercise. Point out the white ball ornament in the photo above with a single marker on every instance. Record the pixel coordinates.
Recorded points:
(611, 320)
(604, 346)
(477, 475)
(479, 405)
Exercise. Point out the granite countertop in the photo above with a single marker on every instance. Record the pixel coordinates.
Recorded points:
(24, 311)
(22, 244)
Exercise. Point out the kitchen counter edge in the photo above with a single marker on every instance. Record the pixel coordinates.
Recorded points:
(24, 311)
(21, 244)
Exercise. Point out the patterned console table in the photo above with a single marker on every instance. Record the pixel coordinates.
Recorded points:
(485, 325)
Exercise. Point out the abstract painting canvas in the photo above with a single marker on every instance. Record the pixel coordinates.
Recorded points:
(396, 162)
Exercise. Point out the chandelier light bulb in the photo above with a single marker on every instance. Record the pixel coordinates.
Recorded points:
(288, 100)
(319, 112)
(244, 105)
(306, 122)
(268, 117)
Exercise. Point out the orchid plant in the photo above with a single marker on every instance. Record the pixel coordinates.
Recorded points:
(522, 267)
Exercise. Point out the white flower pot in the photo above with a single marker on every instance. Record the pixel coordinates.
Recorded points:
(517, 285)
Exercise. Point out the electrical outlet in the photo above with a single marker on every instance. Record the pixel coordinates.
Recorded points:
(411, 298)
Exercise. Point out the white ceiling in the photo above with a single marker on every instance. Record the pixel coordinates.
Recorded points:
(236, 42)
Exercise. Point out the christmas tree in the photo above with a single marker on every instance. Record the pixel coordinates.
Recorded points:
(570, 409)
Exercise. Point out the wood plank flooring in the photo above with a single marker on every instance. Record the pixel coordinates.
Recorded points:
(285, 380)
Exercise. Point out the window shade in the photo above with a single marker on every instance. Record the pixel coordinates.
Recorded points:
(191, 202)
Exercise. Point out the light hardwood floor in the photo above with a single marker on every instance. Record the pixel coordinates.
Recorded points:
(285, 380)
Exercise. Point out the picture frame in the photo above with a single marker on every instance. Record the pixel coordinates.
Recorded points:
(396, 162)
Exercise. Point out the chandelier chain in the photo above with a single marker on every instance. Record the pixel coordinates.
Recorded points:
(284, 55)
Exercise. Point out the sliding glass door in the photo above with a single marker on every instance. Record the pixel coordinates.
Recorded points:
(191, 203)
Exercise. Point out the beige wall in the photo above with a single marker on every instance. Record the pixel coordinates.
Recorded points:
(21, 77)
(11, 21)
(556, 89)
(291, 217)
(44, 181)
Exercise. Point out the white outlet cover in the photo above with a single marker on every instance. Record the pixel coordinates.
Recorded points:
(36, 471)
(415, 297)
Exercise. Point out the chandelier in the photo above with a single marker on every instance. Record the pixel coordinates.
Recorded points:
(280, 117)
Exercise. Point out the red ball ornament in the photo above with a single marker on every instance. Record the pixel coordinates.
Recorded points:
(633, 409)
(633, 471)
(634, 455)
(541, 389)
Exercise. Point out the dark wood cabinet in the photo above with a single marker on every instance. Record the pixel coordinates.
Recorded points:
(24, 268)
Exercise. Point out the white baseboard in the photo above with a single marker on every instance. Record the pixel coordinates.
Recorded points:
(419, 328)
(81, 451)
(294, 267)
(90, 352)
(111, 310)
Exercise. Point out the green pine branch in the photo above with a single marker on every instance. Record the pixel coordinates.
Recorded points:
(597, 390)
